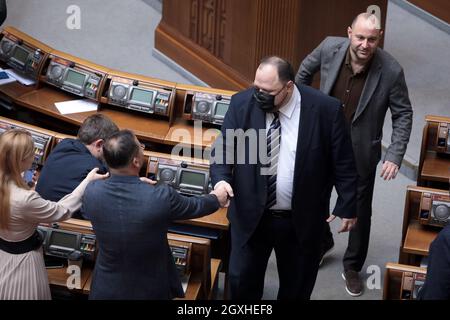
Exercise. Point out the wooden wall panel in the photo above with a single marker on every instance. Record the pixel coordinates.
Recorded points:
(438, 8)
(222, 41)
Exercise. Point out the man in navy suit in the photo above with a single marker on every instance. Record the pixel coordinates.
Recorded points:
(437, 283)
(130, 219)
(280, 200)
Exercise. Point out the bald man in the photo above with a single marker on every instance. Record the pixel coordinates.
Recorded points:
(368, 81)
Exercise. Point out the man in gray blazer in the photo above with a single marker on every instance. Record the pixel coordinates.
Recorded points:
(368, 81)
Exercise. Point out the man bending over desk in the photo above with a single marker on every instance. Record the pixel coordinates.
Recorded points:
(72, 159)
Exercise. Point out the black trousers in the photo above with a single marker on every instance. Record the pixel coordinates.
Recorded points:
(297, 271)
(358, 240)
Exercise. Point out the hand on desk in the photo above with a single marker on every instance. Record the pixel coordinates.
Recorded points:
(149, 181)
(224, 192)
(347, 224)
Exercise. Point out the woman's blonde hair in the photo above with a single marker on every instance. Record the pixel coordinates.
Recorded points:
(16, 145)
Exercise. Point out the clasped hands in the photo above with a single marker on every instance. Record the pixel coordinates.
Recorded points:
(223, 191)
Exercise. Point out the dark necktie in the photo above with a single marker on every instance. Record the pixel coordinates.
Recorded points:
(273, 151)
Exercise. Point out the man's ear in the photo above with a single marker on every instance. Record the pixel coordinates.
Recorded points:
(136, 162)
(98, 144)
(349, 32)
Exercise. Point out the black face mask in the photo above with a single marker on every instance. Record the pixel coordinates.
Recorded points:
(264, 100)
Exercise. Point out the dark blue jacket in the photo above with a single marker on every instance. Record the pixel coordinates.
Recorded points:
(130, 219)
(324, 158)
(437, 283)
(67, 165)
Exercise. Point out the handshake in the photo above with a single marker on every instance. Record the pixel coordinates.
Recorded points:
(223, 192)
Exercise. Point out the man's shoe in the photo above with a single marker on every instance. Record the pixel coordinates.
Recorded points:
(353, 283)
(326, 250)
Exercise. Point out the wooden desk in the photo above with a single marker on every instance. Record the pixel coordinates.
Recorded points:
(418, 239)
(217, 220)
(393, 279)
(58, 278)
(183, 131)
(15, 90)
(435, 168)
(43, 100)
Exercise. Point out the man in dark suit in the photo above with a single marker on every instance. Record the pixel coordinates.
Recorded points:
(437, 283)
(368, 81)
(279, 196)
(72, 159)
(130, 219)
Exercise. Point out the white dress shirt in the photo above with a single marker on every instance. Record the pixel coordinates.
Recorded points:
(289, 117)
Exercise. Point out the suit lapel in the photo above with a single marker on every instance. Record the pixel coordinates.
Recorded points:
(369, 88)
(338, 56)
(307, 121)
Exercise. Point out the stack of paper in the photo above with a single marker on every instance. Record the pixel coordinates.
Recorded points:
(21, 78)
(76, 106)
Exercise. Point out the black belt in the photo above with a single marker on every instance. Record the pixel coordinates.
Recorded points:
(278, 213)
(30, 244)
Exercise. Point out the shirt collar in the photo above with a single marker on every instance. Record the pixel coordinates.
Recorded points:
(348, 62)
(288, 109)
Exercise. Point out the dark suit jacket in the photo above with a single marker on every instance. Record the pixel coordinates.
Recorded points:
(437, 283)
(130, 220)
(67, 165)
(385, 88)
(324, 157)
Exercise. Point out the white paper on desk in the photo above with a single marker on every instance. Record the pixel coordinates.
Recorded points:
(76, 106)
(21, 78)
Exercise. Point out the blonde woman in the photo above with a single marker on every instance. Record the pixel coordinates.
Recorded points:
(22, 269)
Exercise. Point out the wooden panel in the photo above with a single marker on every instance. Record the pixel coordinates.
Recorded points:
(418, 239)
(435, 168)
(438, 8)
(217, 220)
(58, 277)
(393, 278)
(222, 41)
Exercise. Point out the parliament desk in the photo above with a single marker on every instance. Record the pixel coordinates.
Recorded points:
(402, 282)
(434, 163)
(202, 281)
(418, 232)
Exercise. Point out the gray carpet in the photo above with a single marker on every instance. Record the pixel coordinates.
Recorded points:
(120, 35)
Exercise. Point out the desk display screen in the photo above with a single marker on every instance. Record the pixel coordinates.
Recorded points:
(75, 78)
(21, 55)
(221, 109)
(142, 96)
(192, 178)
(63, 239)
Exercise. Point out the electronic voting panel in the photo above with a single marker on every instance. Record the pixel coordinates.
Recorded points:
(207, 106)
(42, 141)
(186, 177)
(60, 243)
(443, 138)
(21, 55)
(434, 209)
(75, 78)
(142, 96)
